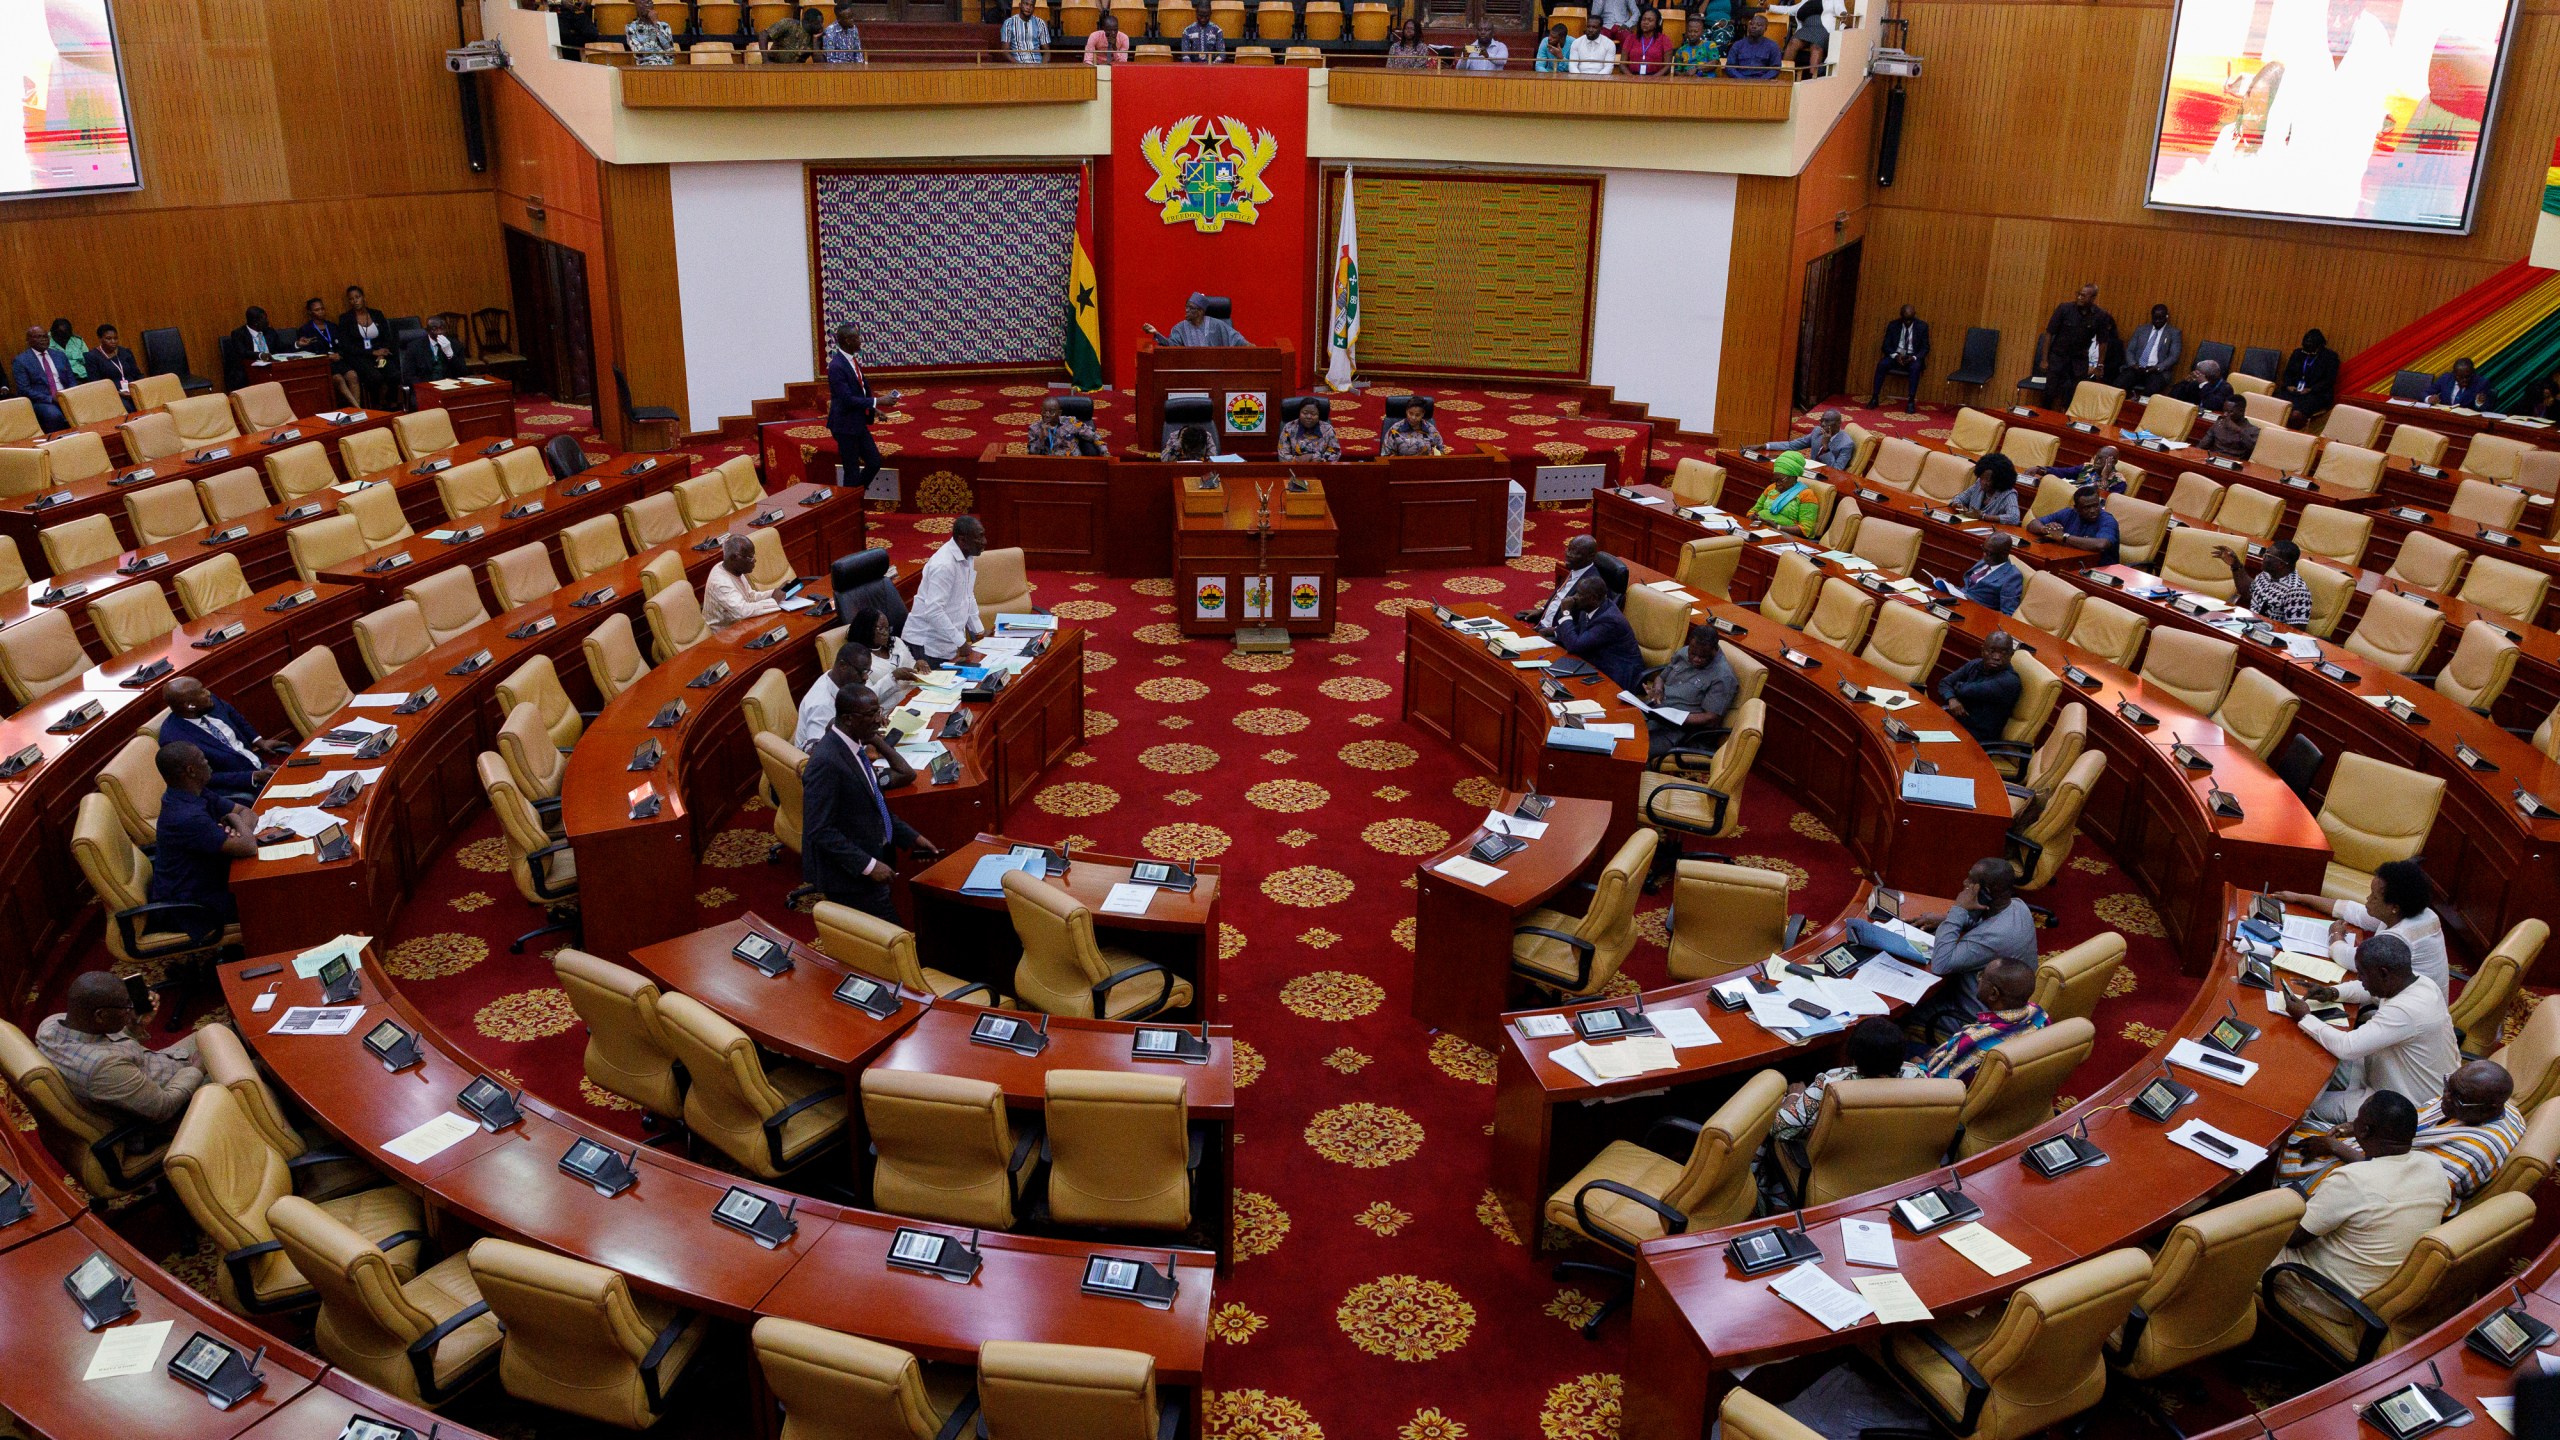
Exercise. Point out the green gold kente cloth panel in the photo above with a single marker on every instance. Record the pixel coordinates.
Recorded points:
(1474, 275)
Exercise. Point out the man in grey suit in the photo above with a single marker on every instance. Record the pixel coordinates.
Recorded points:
(2151, 355)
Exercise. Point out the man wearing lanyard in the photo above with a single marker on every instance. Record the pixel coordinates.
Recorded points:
(849, 837)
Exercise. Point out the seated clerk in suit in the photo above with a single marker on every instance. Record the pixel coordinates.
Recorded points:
(849, 837)
(851, 407)
(239, 760)
(2366, 1217)
(2099, 470)
(1993, 495)
(1982, 692)
(1309, 436)
(728, 596)
(1790, 503)
(852, 670)
(2233, 433)
(1825, 442)
(1582, 556)
(2309, 380)
(1596, 630)
(1993, 581)
(437, 355)
(245, 345)
(109, 360)
(319, 336)
(871, 629)
(2461, 386)
(1905, 352)
(2085, 526)
(1198, 326)
(1699, 681)
(2204, 388)
(39, 374)
(198, 836)
(2006, 996)
(364, 338)
(1058, 433)
(1988, 922)
(2149, 354)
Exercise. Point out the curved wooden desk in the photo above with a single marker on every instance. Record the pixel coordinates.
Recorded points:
(600, 490)
(1696, 1320)
(1462, 930)
(2457, 426)
(972, 936)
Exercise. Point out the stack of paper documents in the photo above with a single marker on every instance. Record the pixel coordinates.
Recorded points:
(1523, 644)
(1126, 899)
(354, 724)
(1473, 872)
(1894, 980)
(322, 786)
(1810, 1289)
(301, 820)
(1627, 1058)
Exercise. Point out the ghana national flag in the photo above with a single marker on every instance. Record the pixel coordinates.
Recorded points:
(1084, 301)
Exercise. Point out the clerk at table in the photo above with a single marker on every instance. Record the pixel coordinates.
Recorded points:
(1309, 436)
(1595, 630)
(1982, 692)
(2401, 903)
(240, 760)
(2460, 386)
(2309, 380)
(1988, 922)
(849, 838)
(198, 836)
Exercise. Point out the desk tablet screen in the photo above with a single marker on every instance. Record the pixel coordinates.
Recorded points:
(586, 1158)
(1158, 1042)
(857, 989)
(2229, 1034)
(1152, 872)
(361, 1428)
(1602, 1021)
(2502, 1331)
(1104, 1273)
(482, 1093)
(93, 1277)
(755, 948)
(742, 1208)
(997, 1027)
(2407, 1410)
(201, 1358)
(1758, 1249)
(2053, 1153)
(1928, 1205)
(385, 1037)
(2156, 1099)
(917, 1246)
(333, 972)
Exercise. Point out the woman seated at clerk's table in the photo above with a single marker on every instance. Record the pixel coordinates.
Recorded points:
(1791, 504)
(1192, 444)
(728, 596)
(1412, 435)
(1309, 437)
(894, 665)
(1058, 433)
(1993, 495)
(2098, 470)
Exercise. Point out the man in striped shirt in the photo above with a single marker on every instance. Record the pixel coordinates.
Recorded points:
(2470, 1129)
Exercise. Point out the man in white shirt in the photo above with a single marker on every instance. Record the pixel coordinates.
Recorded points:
(818, 707)
(1592, 52)
(2402, 903)
(2406, 1046)
(2365, 1218)
(944, 617)
(1581, 555)
(727, 595)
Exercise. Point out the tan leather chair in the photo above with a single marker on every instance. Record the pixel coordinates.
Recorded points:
(1842, 532)
(1120, 1154)
(151, 437)
(424, 431)
(2110, 631)
(2451, 1266)
(2141, 527)
(2495, 506)
(424, 1338)
(536, 682)
(2352, 467)
(119, 873)
(1944, 476)
(2069, 983)
(592, 544)
(627, 1052)
(2428, 562)
(2014, 1083)
(1747, 668)
(2202, 1296)
(18, 420)
(110, 1155)
(2480, 1010)
(79, 544)
(2338, 536)
(1869, 1134)
(301, 471)
(2028, 1365)
(532, 761)
(2352, 425)
(2262, 407)
(377, 513)
(2051, 603)
(2195, 497)
(2493, 457)
(2483, 661)
(130, 618)
(1071, 1392)
(1003, 586)
(391, 637)
(2096, 403)
(210, 585)
(1064, 970)
(664, 569)
(745, 486)
(468, 487)
(768, 706)
(162, 513)
(226, 1175)
(1632, 1193)
(1976, 433)
(2533, 1058)
(2507, 588)
(25, 469)
(2168, 417)
(1793, 590)
(614, 661)
(1689, 793)
(1898, 463)
(577, 1339)
(2188, 562)
(1745, 1416)
(13, 566)
(652, 520)
(2546, 736)
(450, 603)
(307, 1151)
(2257, 712)
(1580, 955)
(1841, 616)
(2287, 451)
(369, 452)
(1697, 482)
(521, 472)
(131, 782)
(2197, 669)
(2530, 1163)
(2039, 847)
(2331, 591)
(781, 764)
(702, 500)
(40, 655)
(675, 622)
(772, 567)
(1905, 643)
(2396, 633)
(522, 576)
(1726, 916)
(944, 1150)
(2030, 448)
(203, 420)
(1660, 623)
(313, 690)
(2375, 812)
(231, 495)
(2250, 512)
(261, 407)
(2417, 444)
(2538, 472)
(841, 1387)
(323, 544)
(1890, 545)
(886, 952)
(1862, 446)
(771, 1118)
(78, 456)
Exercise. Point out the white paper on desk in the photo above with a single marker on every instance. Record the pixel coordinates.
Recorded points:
(1472, 872)
(2307, 933)
(1894, 980)
(290, 850)
(1893, 1297)
(1629, 1058)
(318, 1020)
(1501, 824)
(1570, 1057)
(2501, 1408)
(2185, 1055)
(1614, 732)
(298, 792)
(1547, 1027)
(1892, 699)
(799, 602)
(1937, 737)
(1868, 1242)
(379, 701)
(1990, 1253)
(1848, 997)
(357, 724)
(306, 966)
(1648, 500)
(2302, 647)
(1810, 1289)
(1684, 1027)
(2549, 1362)
(303, 821)
(921, 756)
(1128, 899)
(2318, 969)
(1532, 664)
(1582, 707)
(1524, 644)
(2244, 1158)
(1772, 1012)
(431, 1139)
(100, 681)
(129, 1350)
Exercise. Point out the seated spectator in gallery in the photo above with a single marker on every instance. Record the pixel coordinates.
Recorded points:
(650, 40)
(1703, 52)
(1647, 50)
(1407, 51)
(841, 43)
(1593, 52)
(1555, 53)
(109, 360)
(787, 41)
(1108, 44)
(1809, 38)
(2309, 380)
(1484, 52)
(1202, 43)
(1755, 56)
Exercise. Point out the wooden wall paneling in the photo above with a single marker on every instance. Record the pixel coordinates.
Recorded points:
(2009, 197)
(549, 185)
(648, 323)
(1753, 390)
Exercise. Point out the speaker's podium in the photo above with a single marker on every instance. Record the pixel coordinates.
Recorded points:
(1238, 388)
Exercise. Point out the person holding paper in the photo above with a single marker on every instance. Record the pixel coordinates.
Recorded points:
(198, 836)
(1993, 581)
(1982, 692)
(1790, 503)
(2367, 1216)
(1877, 1051)
(1595, 629)
(241, 761)
(849, 837)
(2470, 1129)
(1988, 922)
(2007, 997)
(944, 618)
(1582, 556)
(1700, 683)
(92, 1044)
(2401, 903)
(2406, 1046)
(728, 596)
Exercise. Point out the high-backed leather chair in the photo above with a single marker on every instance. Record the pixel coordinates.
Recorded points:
(944, 1149)
(1064, 970)
(377, 512)
(769, 707)
(532, 760)
(745, 486)
(2140, 528)
(2096, 403)
(614, 661)
(18, 420)
(2509, 589)
(1842, 532)
(2417, 443)
(369, 452)
(26, 469)
(162, 513)
(2187, 561)
(2538, 472)
(131, 782)
(231, 495)
(422, 431)
(79, 456)
(2110, 631)
(2483, 661)
(2039, 691)
(781, 764)
(261, 407)
(1726, 916)
(2493, 457)
(2202, 1297)
(1871, 1133)
(2335, 535)
(2480, 1010)
(521, 472)
(392, 636)
(2397, 632)
(1841, 616)
(2039, 847)
(1897, 463)
(1697, 482)
(662, 570)
(139, 931)
(888, 952)
(2058, 751)
(2014, 1083)
(1004, 585)
(78, 544)
(1028, 1390)
(592, 544)
(652, 520)
(1120, 1152)
(132, 617)
(2260, 404)
(312, 688)
(2050, 603)
(702, 500)
(1944, 476)
(2428, 562)
(1660, 623)
(1793, 590)
(150, 437)
(13, 566)
(41, 654)
(543, 866)
(2331, 591)
(2351, 467)
(469, 486)
(1889, 544)
(577, 1339)
(2375, 812)
(842, 1387)
(2013, 1370)
(1862, 447)
(1708, 563)
(2493, 505)
(324, 543)
(110, 1155)
(2030, 448)
(226, 1175)
(1690, 793)
(299, 470)
(1975, 432)
(2197, 669)
(2289, 451)
(2533, 1057)
(627, 1052)
(771, 1118)
(203, 420)
(536, 682)
(424, 1338)
(2257, 712)
(1745, 1416)
(90, 403)
(675, 622)
(1905, 643)
(321, 1171)
(2530, 1163)
(1579, 955)
(522, 575)
(1632, 1193)
(2250, 512)
(2451, 1266)
(2168, 417)
(2352, 425)
(2069, 983)
(449, 603)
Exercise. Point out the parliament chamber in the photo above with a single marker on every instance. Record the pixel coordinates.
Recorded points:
(1320, 721)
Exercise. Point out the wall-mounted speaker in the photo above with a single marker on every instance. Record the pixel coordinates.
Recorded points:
(1888, 152)
(475, 145)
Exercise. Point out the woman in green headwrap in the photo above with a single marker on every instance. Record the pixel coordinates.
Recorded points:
(1791, 504)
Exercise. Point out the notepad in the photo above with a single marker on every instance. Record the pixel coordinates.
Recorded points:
(1546, 1027)
(1627, 1058)
(1993, 1255)
(986, 877)
(1614, 731)
(1893, 1298)
(1127, 899)
(1937, 737)
(1570, 1057)
(290, 850)
(2243, 1157)
(388, 701)
(431, 1139)
(1810, 1289)
(1472, 872)
(128, 1350)
(1685, 1028)
(1582, 707)
(1501, 824)
(1868, 1242)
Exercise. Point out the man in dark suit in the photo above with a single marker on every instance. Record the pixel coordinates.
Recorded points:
(2079, 343)
(40, 374)
(2309, 380)
(2204, 388)
(848, 835)
(433, 355)
(1905, 351)
(851, 408)
(2151, 354)
(240, 760)
(2460, 386)
(1595, 630)
(1582, 556)
(252, 342)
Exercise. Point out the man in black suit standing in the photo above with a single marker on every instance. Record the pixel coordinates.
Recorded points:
(851, 408)
(252, 342)
(848, 833)
(1905, 351)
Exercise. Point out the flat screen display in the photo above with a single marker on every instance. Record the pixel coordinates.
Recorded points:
(2352, 112)
(69, 130)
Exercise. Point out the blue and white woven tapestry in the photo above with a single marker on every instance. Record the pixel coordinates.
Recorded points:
(946, 268)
